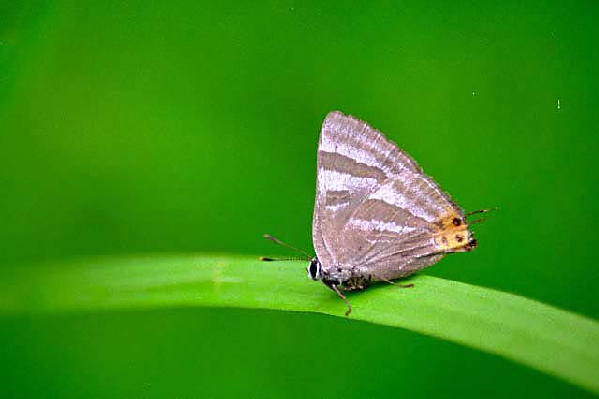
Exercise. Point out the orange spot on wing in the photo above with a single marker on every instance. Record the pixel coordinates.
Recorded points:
(451, 232)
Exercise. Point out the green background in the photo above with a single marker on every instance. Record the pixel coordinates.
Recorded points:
(192, 127)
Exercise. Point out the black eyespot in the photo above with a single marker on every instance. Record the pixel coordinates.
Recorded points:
(457, 221)
(459, 238)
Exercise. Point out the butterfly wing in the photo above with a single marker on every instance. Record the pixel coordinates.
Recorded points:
(396, 229)
(353, 160)
(374, 205)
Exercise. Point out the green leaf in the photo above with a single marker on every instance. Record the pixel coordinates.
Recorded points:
(523, 330)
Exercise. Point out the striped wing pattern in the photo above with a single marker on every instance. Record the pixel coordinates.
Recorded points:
(374, 205)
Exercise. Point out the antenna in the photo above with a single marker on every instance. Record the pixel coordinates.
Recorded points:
(268, 259)
(284, 244)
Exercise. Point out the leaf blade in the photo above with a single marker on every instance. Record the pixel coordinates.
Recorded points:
(526, 331)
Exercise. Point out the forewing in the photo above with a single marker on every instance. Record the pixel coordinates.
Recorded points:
(353, 160)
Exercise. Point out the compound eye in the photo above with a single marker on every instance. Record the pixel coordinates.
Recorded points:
(314, 269)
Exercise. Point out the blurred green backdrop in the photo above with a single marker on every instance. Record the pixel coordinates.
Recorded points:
(192, 126)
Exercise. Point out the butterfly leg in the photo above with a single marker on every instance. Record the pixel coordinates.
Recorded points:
(340, 295)
(396, 284)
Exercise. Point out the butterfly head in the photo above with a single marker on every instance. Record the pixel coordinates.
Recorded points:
(314, 269)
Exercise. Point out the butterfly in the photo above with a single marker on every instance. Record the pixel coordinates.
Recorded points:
(377, 216)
